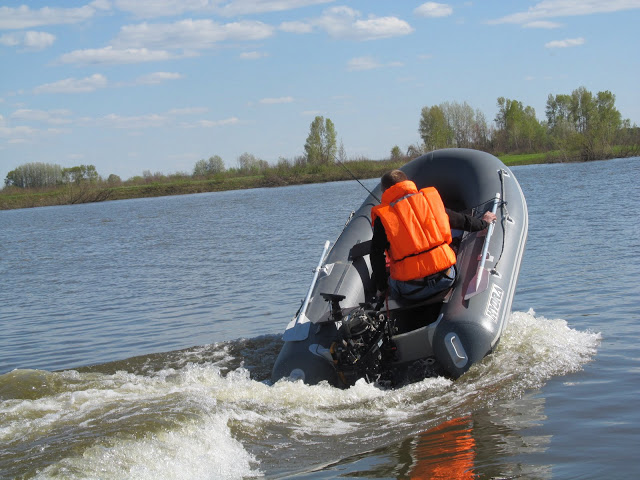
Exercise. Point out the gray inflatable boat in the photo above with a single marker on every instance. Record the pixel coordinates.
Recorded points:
(342, 333)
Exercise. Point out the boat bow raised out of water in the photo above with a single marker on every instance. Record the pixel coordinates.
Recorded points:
(340, 334)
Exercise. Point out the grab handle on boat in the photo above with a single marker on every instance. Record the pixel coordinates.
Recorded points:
(316, 271)
(480, 281)
(298, 327)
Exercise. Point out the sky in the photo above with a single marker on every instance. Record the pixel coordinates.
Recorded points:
(155, 85)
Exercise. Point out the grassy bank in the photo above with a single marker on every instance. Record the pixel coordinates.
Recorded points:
(13, 198)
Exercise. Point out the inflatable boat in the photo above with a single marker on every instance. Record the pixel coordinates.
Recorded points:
(343, 333)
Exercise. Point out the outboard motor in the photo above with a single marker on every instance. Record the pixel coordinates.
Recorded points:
(364, 348)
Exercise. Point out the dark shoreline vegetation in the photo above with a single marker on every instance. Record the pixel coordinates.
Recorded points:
(271, 176)
(578, 127)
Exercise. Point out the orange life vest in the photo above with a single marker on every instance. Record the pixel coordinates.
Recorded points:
(418, 231)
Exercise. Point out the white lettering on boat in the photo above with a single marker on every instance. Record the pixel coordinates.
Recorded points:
(494, 303)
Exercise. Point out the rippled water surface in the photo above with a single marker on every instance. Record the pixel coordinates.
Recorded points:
(138, 338)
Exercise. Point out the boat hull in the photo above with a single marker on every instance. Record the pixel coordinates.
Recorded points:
(455, 332)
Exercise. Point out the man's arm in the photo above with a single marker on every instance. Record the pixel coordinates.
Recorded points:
(462, 221)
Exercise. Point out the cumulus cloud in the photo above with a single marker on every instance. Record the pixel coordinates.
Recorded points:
(15, 134)
(569, 42)
(272, 101)
(156, 120)
(567, 8)
(253, 55)
(110, 55)
(23, 17)
(248, 7)
(433, 9)
(31, 40)
(296, 27)
(344, 22)
(74, 85)
(190, 34)
(50, 117)
(165, 8)
(152, 120)
(188, 111)
(215, 123)
(542, 24)
(158, 77)
(368, 63)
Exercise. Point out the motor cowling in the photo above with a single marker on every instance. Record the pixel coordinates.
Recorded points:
(364, 348)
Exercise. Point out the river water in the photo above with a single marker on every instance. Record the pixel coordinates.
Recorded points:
(138, 338)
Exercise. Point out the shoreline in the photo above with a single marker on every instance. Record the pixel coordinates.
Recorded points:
(364, 169)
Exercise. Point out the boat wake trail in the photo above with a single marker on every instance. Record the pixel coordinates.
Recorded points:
(209, 412)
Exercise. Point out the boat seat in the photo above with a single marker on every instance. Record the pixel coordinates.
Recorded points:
(403, 305)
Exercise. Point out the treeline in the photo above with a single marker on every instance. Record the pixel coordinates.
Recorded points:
(38, 175)
(579, 125)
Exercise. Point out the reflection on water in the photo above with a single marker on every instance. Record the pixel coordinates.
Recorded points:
(462, 448)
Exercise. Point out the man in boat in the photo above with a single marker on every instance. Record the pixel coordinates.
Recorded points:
(413, 228)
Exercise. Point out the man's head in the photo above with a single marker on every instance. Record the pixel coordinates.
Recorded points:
(389, 179)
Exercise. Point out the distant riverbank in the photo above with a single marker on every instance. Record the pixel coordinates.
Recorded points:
(14, 198)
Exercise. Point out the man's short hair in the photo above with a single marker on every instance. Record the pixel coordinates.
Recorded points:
(389, 179)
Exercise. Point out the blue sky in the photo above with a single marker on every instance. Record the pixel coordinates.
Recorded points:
(135, 85)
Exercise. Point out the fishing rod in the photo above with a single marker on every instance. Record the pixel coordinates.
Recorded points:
(354, 177)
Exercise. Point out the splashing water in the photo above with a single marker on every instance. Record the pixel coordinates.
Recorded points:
(209, 412)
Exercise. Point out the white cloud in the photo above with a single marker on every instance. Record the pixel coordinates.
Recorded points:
(51, 117)
(296, 27)
(253, 55)
(16, 134)
(190, 34)
(23, 17)
(74, 85)
(158, 77)
(433, 9)
(166, 8)
(155, 120)
(569, 42)
(113, 56)
(368, 63)
(273, 101)
(31, 40)
(567, 8)
(215, 123)
(188, 111)
(248, 7)
(542, 24)
(152, 120)
(344, 22)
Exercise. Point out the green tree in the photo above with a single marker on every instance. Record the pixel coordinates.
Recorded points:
(461, 118)
(582, 123)
(434, 128)
(396, 153)
(205, 168)
(481, 133)
(320, 147)
(34, 175)
(114, 179)
(342, 153)
(249, 163)
(80, 174)
(517, 127)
